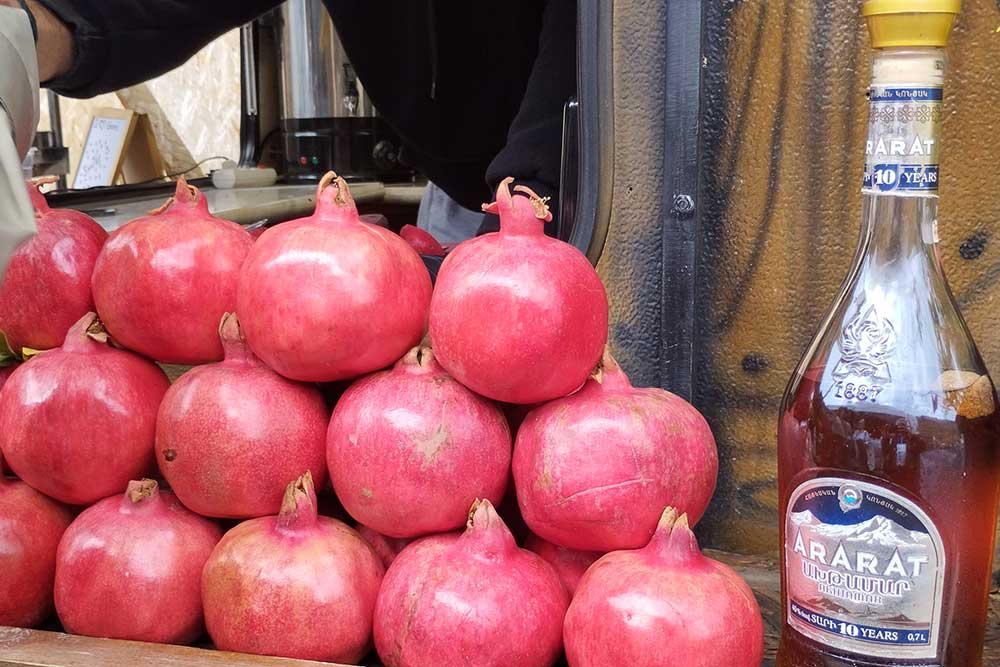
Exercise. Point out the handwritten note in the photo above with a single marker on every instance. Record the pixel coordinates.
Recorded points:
(102, 152)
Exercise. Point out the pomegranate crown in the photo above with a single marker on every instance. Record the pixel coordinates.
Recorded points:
(487, 531)
(234, 343)
(333, 195)
(37, 197)
(186, 195)
(298, 507)
(86, 334)
(519, 214)
(608, 374)
(141, 489)
(419, 359)
(673, 539)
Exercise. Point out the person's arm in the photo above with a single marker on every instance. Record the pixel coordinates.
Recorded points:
(55, 41)
(533, 152)
(87, 47)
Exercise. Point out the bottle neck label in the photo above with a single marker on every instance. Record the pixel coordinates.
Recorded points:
(864, 569)
(901, 154)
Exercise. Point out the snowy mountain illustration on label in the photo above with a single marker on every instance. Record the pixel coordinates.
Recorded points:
(878, 530)
(868, 342)
(889, 548)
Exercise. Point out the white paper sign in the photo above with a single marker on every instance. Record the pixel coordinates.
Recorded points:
(101, 153)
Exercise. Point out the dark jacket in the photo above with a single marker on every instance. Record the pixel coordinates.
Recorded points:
(474, 89)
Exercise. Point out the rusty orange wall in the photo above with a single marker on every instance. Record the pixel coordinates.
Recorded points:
(783, 122)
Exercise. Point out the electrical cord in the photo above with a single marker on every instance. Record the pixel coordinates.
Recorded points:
(191, 168)
(267, 137)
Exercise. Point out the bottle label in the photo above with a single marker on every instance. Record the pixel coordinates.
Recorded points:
(901, 154)
(864, 569)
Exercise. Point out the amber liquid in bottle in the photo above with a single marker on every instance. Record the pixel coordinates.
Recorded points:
(889, 433)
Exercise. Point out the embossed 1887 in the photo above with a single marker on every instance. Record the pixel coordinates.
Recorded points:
(857, 391)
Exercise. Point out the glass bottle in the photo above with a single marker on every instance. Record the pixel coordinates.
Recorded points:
(888, 457)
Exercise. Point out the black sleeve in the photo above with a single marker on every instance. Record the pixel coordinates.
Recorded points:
(533, 151)
(122, 42)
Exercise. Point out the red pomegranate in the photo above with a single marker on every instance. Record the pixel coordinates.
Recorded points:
(46, 287)
(517, 316)
(77, 422)
(30, 527)
(410, 448)
(296, 585)
(230, 435)
(129, 567)
(569, 564)
(664, 604)
(590, 468)
(471, 598)
(163, 281)
(386, 547)
(422, 241)
(330, 297)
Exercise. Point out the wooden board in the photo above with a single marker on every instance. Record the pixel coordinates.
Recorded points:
(38, 648)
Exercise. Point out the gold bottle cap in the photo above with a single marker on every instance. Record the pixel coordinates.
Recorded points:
(910, 22)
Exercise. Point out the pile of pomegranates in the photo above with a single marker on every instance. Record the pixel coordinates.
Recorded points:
(436, 408)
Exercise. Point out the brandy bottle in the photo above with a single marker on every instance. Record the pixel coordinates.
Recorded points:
(889, 434)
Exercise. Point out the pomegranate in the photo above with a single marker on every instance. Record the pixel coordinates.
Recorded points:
(46, 287)
(386, 547)
(129, 567)
(30, 527)
(517, 316)
(329, 297)
(230, 435)
(569, 564)
(590, 468)
(471, 598)
(664, 604)
(410, 448)
(295, 585)
(163, 281)
(422, 241)
(77, 422)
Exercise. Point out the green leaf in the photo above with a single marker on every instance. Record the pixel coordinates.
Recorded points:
(7, 355)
